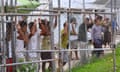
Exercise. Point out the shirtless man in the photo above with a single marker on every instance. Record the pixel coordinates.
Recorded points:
(44, 25)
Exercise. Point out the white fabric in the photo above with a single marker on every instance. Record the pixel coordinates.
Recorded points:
(10, 49)
(33, 45)
(73, 37)
(89, 36)
(64, 55)
(20, 47)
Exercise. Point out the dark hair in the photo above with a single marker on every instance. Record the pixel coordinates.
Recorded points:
(42, 22)
(31, 24)
(23, 23)
(72, 19)
(8, 31)
(9, 25)
(99, 18)
(87, 19)
(64, 24)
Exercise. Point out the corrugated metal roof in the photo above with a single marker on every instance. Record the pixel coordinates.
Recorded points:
(107, 3)
(100, 1)
(114, 2)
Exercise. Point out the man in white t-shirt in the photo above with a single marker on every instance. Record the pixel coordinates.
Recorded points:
(33, 39)
(73, 36)
(22, 39)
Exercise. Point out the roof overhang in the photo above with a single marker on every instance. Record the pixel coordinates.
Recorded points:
(100, 2)
(115, 3)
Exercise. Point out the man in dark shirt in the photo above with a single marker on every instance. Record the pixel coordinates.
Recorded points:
(82, 38)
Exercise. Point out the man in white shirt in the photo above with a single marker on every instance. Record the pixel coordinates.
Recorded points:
(73, 36)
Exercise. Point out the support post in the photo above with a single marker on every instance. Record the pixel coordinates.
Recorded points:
(52, 36)
(3, 37)
(68, 19)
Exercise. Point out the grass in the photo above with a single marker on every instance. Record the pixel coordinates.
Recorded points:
(104, 64)
(26, 67)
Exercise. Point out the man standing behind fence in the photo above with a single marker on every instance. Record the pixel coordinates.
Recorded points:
(33, 37)
(82, 37)
(44, 25)
(97, 31)
(22, 38)
(73, 36)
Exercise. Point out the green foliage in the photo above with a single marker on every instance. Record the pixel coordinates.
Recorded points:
(26, 67)
(12, 9)
(104, 64)
(24, 4)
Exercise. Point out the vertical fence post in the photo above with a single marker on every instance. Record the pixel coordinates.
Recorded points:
(3, 36)
(52, 35)
(68, 19)
(113, 34)
(60, 68)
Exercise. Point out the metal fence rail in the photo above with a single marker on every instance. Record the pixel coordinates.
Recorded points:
(67, 11)
(38, 51)
(31, 62)
(20, 14)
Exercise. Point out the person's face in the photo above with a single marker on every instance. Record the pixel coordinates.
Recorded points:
(107, 20)
(66, 25)
(98, 22)
(31, 29)
(41, 23)
(73, 22)
(86, 21)
(24, 28)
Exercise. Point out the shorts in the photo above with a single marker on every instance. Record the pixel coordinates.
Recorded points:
(96, 46)
(46, 55)
(64, 55)
(20, 47)
(74, 44)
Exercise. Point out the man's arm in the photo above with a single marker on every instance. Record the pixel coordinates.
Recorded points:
(33, 30)
(91, 20)
(66, 29)
(79, 34)
(92, 33)
(73, 30)
(25, 37)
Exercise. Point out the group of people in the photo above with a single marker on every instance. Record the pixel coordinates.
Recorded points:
(28, 37)
(96, 32)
